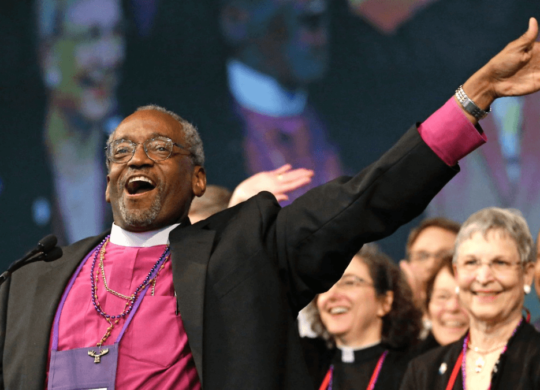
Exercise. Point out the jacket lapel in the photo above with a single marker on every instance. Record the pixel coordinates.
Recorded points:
(190, 248)
(47, 294)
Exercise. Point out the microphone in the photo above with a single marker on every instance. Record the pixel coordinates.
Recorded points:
(46, 250)
(54, 254)
(47, 243)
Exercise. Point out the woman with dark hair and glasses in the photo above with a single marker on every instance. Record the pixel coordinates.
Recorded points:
(366, 323)
(494, 266)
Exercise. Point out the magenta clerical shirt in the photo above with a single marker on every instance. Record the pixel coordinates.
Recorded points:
(154, 352)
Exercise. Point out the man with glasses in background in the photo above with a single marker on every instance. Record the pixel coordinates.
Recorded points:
(428, 244)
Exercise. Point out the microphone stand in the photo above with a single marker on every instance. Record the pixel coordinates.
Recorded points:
(46, 250)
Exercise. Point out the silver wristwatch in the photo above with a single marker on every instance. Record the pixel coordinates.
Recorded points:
(469, 105)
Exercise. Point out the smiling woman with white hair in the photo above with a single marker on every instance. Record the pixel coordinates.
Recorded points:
(494, 266)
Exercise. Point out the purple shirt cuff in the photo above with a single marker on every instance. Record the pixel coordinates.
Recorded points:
(450, 134)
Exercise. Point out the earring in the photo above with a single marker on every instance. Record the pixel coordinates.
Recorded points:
(457, 290)
(527, 289)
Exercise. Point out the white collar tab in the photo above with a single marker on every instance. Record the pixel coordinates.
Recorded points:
(347, 353)
(122, 237)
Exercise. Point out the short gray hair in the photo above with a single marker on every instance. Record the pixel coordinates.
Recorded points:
(508, 221)
(191, 135)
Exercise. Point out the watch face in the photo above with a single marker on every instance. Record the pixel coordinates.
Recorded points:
(469, 105)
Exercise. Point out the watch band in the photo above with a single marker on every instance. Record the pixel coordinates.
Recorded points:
(470, 106)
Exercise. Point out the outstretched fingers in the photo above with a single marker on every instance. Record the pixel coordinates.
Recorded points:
(281, 170)
(293, 184)
(515, 71)
(293, 180)
(531, 34)
(296, 174)
(278, 181)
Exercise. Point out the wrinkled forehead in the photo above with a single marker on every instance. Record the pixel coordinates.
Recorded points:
(143, 125)
(491, 235)
(127, 136)
(84, 14)
(475, 231)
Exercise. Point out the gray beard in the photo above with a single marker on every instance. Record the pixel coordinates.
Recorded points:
(141, 218)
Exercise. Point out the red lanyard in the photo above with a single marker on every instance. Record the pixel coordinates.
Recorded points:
(455, 372)
(328, 377)
(327, 382)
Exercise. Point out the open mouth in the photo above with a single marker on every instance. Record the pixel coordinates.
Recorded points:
(485, 293)
(454, 324)
(139, 185)
(486, 296)
(338, 310)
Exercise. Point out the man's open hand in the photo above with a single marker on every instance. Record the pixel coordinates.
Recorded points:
(279, 182)
(515, 71)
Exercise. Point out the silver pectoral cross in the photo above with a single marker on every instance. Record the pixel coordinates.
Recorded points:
(97, 356)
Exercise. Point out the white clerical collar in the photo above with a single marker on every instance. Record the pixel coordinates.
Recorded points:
(261, 93)
(122, 237)
(347, 353)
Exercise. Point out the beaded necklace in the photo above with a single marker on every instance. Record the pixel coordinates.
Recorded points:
(113, 320)
(115, 293)
(464, 354)
(154, 281)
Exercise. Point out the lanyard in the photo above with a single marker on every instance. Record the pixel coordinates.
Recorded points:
(455, 372)
(327, 382)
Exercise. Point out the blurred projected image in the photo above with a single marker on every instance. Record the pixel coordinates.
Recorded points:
(276, 49)
(81, 49)
(505, 172)
(387, 15)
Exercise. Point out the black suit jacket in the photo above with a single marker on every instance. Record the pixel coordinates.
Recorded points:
(242, 275)
(519, 368)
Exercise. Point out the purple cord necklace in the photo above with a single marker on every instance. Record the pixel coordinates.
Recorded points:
(464, 361)
(100, 250)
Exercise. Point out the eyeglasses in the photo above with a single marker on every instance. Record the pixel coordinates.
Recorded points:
(121, 151)
(424, 256)
(442, 298)
(498, 266)
(351, 281)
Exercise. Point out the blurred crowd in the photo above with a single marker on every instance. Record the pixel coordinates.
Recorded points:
(398, 326)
